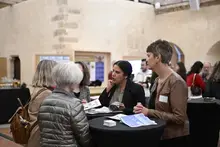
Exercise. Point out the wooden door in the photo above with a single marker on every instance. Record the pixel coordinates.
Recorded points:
(3, 67)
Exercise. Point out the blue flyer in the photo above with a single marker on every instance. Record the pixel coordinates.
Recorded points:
(137, 120)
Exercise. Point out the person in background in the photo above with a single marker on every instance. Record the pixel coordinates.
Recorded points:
(82, 92)
(42, 85)
(170, 101)
(143, 77)
(206, 71)
(194, 72)
(213, 91)
(213, 84)
(181, 70)
(62, 120)
(121, 89)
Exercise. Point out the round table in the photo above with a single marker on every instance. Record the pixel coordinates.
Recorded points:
(124, 136)
(204, 122)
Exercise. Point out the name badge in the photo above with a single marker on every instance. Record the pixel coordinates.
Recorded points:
(163, 98)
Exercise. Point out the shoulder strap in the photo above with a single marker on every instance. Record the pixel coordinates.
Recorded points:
(35, 124)
(38, 93)
(194, 78)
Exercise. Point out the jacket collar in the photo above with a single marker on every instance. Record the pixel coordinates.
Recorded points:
(128, 86)
(59, 90)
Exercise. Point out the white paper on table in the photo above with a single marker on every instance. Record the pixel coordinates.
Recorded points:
(117, 117)
(92, 104)
(94, 97)
(137, 120)
(99, 110)
(195, 97)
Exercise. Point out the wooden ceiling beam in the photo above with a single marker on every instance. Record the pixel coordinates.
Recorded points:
(11, 2)
(2, 5)
(7, 2)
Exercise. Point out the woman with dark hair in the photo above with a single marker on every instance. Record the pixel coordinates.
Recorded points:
(181, 70)
(83, 92)
(193, 77)
(121, 89)
(213, 84)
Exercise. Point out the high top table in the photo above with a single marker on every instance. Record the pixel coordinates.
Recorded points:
(9, 102)
(204, 119)
(124, 136)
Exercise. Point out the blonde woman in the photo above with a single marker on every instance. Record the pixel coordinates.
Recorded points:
(42, 85)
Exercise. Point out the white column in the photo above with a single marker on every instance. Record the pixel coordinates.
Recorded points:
(194, 4)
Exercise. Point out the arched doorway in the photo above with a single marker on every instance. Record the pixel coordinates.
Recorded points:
(213, 54)
(178, 55)
(215, 49)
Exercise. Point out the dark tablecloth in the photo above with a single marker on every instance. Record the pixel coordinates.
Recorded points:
(204, 119)
(9, 102)
(124, 136)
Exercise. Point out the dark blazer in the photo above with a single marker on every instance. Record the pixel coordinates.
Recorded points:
(133, 94)
(212, 90)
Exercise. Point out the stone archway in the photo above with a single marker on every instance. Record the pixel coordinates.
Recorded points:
(215, 49)
(178, 55)
(213, 54)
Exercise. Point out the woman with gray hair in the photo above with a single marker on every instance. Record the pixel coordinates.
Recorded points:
(62, 119)
(42, 85)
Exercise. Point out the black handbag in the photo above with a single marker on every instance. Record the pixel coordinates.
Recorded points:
(195, 90)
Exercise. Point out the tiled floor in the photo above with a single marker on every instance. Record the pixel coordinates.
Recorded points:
(7, 143)
(4, 129)
(5, 137)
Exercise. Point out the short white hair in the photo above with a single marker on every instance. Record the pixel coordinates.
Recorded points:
(65, 74)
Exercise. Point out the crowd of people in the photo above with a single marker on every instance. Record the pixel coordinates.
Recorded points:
(158, 90)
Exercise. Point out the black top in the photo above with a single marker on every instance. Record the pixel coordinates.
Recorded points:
(212, 90)
(153, 91)
(133, 94)
(97, 124)
(77, 94)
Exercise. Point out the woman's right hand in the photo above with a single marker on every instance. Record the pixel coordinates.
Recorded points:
(139, 108)
(84, 101)
(109, 86)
